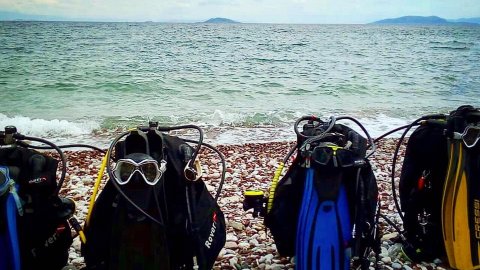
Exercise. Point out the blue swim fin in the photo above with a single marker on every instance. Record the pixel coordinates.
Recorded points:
(304, 223)
(324, 228)
(346, 226)
(325, 248)
(9, 247)
(12, 234)
(4, 246)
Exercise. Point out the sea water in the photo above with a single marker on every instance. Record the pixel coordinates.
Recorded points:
(74, 81)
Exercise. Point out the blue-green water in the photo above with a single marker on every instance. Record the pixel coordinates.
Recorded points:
(241, 82)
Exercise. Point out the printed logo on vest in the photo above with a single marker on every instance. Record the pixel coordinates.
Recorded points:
(37, 180)
(209, 241)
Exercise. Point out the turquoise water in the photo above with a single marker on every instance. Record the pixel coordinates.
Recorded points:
(241, 82)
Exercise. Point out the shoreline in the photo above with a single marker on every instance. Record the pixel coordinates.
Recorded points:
(249, 166)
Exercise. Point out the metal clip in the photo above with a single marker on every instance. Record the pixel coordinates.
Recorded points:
(18, 201)
(193, 174)
(10, 131)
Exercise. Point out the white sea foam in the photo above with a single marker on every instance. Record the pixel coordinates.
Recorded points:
(219, 127)
(379, 124)
(376, 126)
(58, 130)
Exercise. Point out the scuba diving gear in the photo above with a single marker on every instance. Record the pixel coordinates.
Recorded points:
(461, 193)
(323, 210)
(437, 191)
(147, 168)
(32, 213)
(420, 187)
(172, 224)
(324, 230)
(340, 157)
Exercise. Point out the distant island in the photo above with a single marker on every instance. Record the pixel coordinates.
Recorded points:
(220, 20)
(467, 20)
(15, 16)
(427, 20)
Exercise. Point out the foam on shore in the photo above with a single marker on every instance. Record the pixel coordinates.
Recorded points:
(217, 131)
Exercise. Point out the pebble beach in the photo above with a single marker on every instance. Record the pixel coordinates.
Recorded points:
(250, 166)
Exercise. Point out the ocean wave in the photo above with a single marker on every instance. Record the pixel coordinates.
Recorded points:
(461, 48)
(453, 42)
(376, 124)
(48, 128)
(451, 45)
(220, 127)
(221, 118)
(271, 60)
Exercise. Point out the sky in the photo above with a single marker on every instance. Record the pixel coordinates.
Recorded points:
(254, 11)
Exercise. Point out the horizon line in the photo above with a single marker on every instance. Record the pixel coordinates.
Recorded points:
(168, 22)
(17, 17)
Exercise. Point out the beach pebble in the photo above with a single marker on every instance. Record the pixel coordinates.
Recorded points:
(387, 260)
(237, 225)
(77, 261)
(244, 245)
(253, 242)
(266, 259)
(389, 236)
(274, 267)
(231, 237)
(396, 265)
(231, 245)
(233, 261)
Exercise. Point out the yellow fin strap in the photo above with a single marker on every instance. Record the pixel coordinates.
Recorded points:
(273, 187)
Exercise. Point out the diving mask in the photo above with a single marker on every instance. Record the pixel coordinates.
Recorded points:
(149, 169)
(471, 136)
(341, 157)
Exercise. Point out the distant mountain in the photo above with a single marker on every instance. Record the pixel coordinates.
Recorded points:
(466, 20)
(428, 20)
(220, 20)
(413, 20)
(15, 16)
